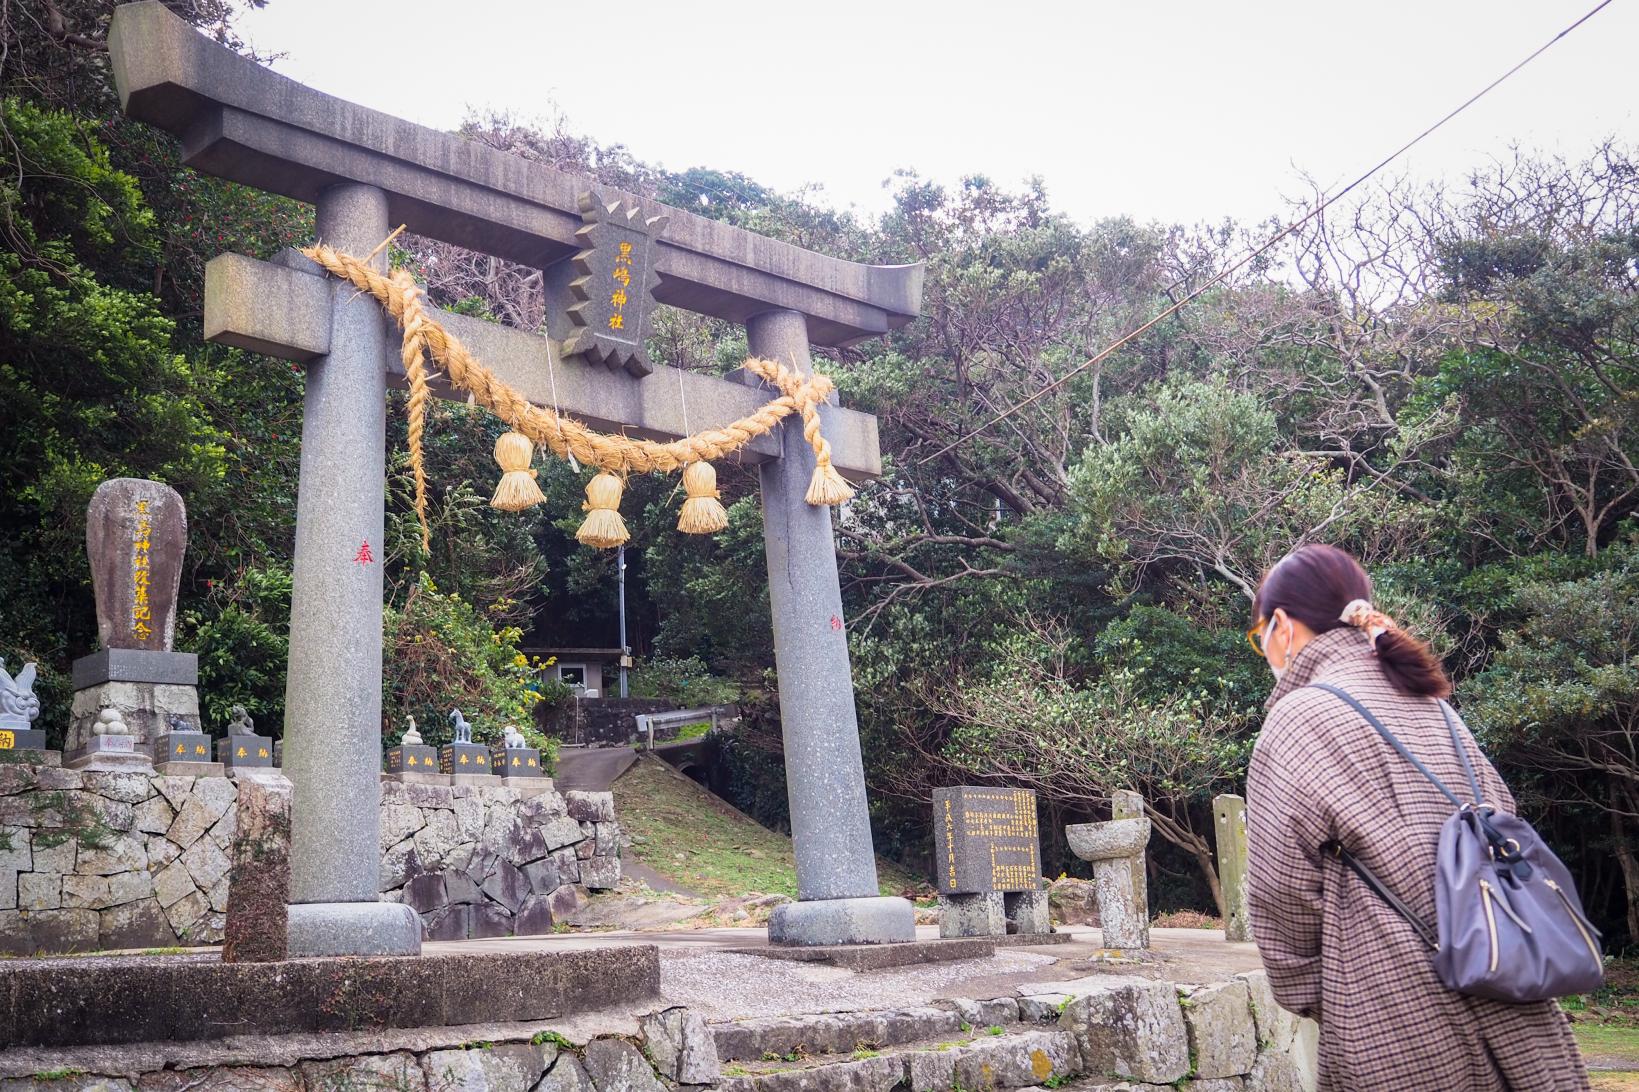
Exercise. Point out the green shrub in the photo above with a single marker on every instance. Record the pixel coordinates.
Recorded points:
(686, 682)
(242, 639)
(440, 654)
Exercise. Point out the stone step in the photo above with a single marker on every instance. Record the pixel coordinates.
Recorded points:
(832, 1033)
(1018, 1057)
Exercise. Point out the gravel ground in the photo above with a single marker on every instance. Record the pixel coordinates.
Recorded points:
(723, 986)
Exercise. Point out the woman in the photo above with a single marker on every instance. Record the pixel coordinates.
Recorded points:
(1333, 949)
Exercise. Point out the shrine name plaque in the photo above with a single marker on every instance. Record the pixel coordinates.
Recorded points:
(985, 839)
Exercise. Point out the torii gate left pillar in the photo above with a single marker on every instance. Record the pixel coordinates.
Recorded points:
(366, 171)
(332, 751)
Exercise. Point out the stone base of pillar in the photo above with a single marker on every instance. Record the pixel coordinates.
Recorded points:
(972, 915)
(1027, 912)
(885, 920)
(353, 929)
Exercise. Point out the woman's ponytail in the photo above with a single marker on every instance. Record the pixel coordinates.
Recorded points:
(1411, 666)
(1325, 588)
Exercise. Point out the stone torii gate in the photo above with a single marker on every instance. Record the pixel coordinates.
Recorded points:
(366, 172)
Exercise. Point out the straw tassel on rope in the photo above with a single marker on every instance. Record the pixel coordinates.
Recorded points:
(702, 513)
(827, 486)
(603, 528)
(517, 489)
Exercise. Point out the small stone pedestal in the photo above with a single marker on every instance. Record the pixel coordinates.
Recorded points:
(108, 753)
(242, 752)
(1116, 850)
(22, 739)
(185, 754)
(415, 762)
(147, 687)
(467, 764)
(521, 763)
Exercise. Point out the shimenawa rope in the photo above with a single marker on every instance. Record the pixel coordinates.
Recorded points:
(563, 435)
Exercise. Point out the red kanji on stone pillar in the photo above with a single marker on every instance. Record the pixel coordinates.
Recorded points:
(364, 556)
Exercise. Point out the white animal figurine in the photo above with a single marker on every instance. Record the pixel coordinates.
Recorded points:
(412, 736)
(514, 738)
(19, 705)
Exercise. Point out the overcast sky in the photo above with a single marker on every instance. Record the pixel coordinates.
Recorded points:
(1177, 111)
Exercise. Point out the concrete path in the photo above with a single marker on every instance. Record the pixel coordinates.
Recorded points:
(591, 769)
(697, 970)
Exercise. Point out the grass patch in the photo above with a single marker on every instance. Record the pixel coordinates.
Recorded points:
(1186, 919)
(690, 836)
(1611, 1081)
(1608, 1039)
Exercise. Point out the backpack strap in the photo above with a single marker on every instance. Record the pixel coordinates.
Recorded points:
(1452, 720)
(1424, 932)
(1394, 741)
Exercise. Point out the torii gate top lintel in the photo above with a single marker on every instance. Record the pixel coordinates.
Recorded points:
(241, 121)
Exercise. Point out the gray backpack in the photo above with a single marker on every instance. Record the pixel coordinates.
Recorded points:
(1511, 927)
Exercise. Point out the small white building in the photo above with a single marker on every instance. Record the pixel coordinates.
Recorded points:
(582, 669)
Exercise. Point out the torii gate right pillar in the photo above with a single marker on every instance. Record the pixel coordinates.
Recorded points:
(839, 901)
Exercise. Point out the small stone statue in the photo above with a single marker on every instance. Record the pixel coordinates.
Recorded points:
(412, 735)
(463, 730)
(109, 723)
(178, 723)
(241, 724)
(514, 738)
(19, 705)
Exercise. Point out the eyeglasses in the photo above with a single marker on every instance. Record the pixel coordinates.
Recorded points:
(1254, 637)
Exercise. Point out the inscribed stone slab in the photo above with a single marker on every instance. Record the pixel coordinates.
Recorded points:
(135, 533)
(986, 839)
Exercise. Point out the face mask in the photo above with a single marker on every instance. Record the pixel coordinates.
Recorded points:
(1281, 670)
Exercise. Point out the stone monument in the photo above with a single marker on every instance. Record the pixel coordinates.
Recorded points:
(988, 849)
(413, 760)
(242, 748)
(466, 762)
(1116, 850)
(365, 172)
(19, 705)
(135, 534)
(1229, 822)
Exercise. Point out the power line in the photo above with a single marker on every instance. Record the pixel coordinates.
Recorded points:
(1253, 255)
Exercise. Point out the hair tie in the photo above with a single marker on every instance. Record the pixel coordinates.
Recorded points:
(1362, 615)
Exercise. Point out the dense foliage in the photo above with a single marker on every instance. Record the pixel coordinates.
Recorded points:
(1442, 381)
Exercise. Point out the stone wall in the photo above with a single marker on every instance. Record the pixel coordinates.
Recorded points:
(112, 860)
(1106, 1033)
(490, 862)
(96, 861)
(607, 721)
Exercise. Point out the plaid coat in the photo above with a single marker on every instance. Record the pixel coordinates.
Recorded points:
(1333, 950)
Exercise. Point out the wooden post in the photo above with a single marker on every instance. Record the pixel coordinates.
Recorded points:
(1229, 820)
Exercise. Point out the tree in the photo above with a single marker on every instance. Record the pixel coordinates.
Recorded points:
(1562, 696)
